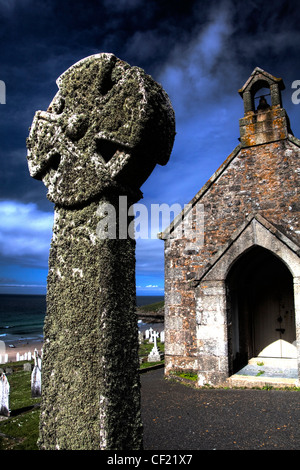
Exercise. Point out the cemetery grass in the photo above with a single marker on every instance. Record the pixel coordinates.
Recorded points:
(20, 431)
(145, 349)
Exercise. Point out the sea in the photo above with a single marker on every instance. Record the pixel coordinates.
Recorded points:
(22, 316)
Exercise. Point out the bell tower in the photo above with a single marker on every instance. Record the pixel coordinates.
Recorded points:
(265, 120)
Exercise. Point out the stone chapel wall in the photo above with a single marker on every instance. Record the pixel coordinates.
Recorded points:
(261, 179)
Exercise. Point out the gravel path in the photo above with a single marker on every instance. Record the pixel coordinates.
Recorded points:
(179, 417)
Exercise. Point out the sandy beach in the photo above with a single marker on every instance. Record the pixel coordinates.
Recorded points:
(22, 347)
(25, 346)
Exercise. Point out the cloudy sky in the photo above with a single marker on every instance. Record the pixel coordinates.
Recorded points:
(201, 52)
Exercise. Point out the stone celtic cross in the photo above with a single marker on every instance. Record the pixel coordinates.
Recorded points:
(101, 137)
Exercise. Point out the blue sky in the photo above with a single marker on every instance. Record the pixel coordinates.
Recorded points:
(201, 52)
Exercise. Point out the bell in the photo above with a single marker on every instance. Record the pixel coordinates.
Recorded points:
(262, 104)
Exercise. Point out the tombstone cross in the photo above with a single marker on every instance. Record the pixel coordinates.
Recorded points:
(155, 336)
(101, 137)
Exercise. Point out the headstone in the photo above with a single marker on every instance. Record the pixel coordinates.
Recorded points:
(155, 354)
(141, 337)
(151, 332)
(27, 367)
(2, 352)
(104, 132)
(36, 376)
(162, 336)
(4, 395)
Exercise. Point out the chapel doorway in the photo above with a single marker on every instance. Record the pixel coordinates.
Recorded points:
(260, 309)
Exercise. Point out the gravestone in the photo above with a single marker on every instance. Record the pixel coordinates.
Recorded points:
(36, 376)
(4, 395)
(141, 337)
(151, 333)
(101, 137)
(3, 354)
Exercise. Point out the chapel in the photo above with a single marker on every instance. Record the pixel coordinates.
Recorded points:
(232, 265)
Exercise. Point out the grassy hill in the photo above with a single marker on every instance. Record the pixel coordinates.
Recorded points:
(152, 313)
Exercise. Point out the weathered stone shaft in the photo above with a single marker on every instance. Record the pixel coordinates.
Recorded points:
(91, 389)
(105, 130)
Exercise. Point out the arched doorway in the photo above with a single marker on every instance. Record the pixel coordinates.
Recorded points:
(260, 308)
(249, 284)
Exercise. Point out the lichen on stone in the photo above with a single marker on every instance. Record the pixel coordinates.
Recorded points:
(105, 130)
(105, 110)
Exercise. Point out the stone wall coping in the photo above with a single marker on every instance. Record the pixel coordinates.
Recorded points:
(180, 217)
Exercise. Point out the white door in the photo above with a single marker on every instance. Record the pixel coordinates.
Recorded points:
(274, 321)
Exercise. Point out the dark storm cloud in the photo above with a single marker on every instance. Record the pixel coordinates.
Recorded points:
(41, 39)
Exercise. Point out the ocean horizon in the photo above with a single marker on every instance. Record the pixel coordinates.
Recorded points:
(22, 315)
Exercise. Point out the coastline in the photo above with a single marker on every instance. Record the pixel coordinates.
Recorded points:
(22, 347)
(150, 313)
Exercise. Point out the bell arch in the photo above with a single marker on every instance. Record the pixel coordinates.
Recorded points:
(259, 79)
